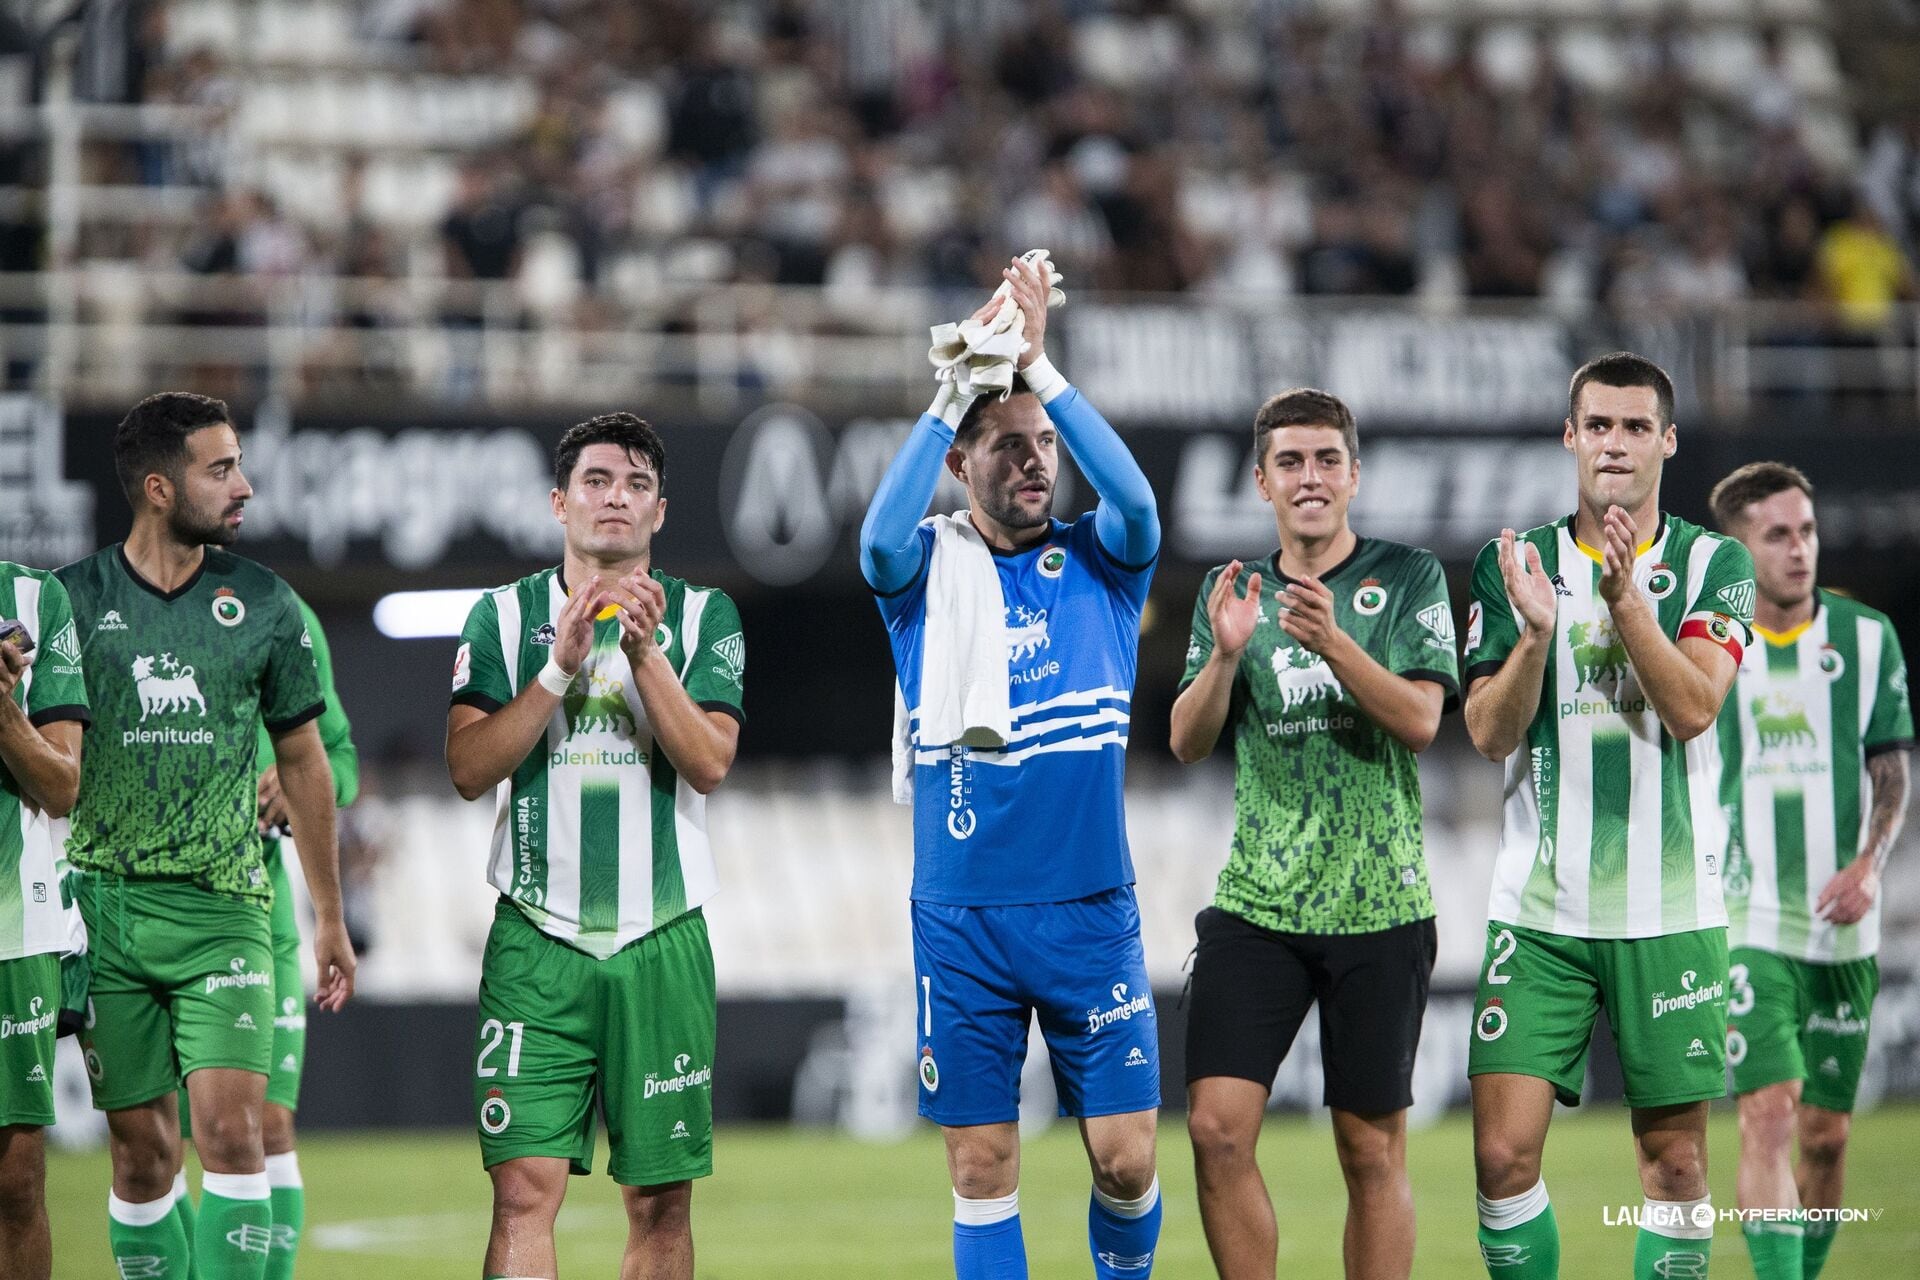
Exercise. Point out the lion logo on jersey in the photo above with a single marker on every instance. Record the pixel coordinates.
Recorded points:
(165, 685)
(1026, 633)
(1598, 653)
(1303, 676)
(1780, 722)
(598, 704)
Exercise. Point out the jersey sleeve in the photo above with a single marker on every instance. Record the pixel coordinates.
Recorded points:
(1130, 582)
(58, 690)
(1200, 638)
(479, 667)
(1722, 610)
(290, 690)
(1891, 726)
(904, 602)
(1420, 646)
(1492, 629)
(336, 731)
(716, 673)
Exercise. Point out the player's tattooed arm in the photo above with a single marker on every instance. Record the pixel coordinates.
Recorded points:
(1850, 894)
(306, 778)
(485, 747)
(1407, 709)
(1499, 707)
(1685, 681)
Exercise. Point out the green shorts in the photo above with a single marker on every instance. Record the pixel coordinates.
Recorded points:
(182, 979)
(1792, 1019)
(29, 1014)
(560, 1030)
(290, 1000)
(1666, 1000)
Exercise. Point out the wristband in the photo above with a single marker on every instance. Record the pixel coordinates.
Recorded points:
(554, 680)
(1043, 379)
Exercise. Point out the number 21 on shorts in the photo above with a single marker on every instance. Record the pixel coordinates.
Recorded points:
(498, 1031)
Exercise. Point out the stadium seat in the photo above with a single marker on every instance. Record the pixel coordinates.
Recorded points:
(1591, 57)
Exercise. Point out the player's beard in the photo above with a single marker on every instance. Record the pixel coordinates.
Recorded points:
(193, 527)
(1002, 505)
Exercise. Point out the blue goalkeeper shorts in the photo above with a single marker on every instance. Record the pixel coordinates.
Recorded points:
(984, 972)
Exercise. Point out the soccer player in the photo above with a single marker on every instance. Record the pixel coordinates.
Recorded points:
(1022, 884)
(288, 1194)
(1599, 649)
(43, 709)
(1816, 737)
(603, 699)
(1333, 660)
(187, 647)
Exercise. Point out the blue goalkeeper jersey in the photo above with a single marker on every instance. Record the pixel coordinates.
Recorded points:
(1042, 819)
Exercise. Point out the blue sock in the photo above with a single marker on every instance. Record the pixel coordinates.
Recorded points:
(987, 1244)
(1122, 1234)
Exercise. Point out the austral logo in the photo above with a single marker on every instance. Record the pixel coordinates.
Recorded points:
(1124, 1007)
(112, 621)
(1690, 996)
(543, 634)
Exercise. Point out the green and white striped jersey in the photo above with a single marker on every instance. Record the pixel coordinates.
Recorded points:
(1612, 828)
(1809, 709)
(598, 840)
(32, 918)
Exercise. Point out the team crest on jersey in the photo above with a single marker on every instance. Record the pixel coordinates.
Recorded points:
(1370, 599)
(663, 636)
(1661, 580)
(1780, 721)
(1303, 676)
(929, 1070)
(1053, 562)
(1832, 665)
(166, 685)
(1492, 1022)
(1598, 653)
(228, 609)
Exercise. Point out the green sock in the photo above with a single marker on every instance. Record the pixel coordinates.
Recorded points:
(1519, 1239)
(183, 1210)
(1819, 1239)
(289, 1214)
(146, 1239)
(1775, 1249)
(235, 1227)
(1678, 1250)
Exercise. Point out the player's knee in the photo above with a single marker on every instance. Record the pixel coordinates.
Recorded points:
(230, 1141)
(1766, 1120)
(525, 1193)
(981, 1171)
(1124, 1170)
(1368, 1159)
(1503, 1166)
(1824, 1142)
(660, 1211)
(1219, 1140)
(276, 1130)
(23, 1181)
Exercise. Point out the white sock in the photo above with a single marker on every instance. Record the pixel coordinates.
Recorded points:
(984, 1213)
(283, 1170)
(236, 1186)
(128, 1214)
(180, 1185)
(1675, 1219)
(1129, 1208)
(1505, 1215)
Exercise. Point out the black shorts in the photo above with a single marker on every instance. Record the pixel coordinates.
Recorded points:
(1252, 988)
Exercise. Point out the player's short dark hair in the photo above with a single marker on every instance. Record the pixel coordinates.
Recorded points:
(632, 433)
(1755, 482)
(974, 420)
(1304, 407)
(1622, 369)
(152, 438)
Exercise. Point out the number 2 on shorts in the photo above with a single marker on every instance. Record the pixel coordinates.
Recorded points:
(1504, 945)
(492, 1027)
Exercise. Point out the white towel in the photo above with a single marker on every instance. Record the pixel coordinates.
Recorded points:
(963, 653)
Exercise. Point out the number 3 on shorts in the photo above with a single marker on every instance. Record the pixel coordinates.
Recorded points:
(1742, 1002)
(493, 1027)
(1504, 945)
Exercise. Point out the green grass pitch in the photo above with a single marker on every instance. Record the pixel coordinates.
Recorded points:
(816, 1206)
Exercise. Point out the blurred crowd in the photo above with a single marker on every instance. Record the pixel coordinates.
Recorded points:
(1215, 148)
